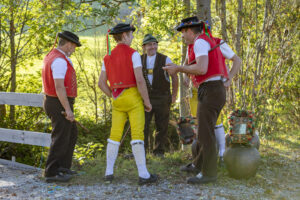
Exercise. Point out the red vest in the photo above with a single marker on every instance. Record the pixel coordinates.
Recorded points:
(119, 67)
(216, 61)
(48, 81)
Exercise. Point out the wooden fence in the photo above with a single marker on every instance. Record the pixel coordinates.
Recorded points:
(23, 136)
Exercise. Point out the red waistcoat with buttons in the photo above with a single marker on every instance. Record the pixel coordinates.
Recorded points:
(119, 67)
(70, 82)
(216, 61)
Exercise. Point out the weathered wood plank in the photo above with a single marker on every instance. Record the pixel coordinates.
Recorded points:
(21, 99)
(25, 137)
(18, 165)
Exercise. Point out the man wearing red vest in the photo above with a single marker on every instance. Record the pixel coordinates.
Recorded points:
(122, 68)
(206, 68)
(60, 88)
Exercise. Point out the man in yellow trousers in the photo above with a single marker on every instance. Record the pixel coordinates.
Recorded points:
(122, 68)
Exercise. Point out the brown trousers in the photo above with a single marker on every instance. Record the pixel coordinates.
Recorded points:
(161, 110)
(211, 99)
(63, 136)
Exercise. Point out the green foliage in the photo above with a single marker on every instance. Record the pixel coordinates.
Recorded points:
(86, 152)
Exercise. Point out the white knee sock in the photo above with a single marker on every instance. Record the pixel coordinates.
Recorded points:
(138, 151)
(111, 156)
(220, 137)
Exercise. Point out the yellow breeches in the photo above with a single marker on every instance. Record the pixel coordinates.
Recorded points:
(194, 104)
(128, 104)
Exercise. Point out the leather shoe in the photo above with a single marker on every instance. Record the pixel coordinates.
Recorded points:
(60, 177)
(202, 179)
(189, 168)
(152, 179)
(67, 171)
(109, 178)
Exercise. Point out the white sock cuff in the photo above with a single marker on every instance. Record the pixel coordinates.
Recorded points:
(219, 125)
(113, 142)
(133, 142)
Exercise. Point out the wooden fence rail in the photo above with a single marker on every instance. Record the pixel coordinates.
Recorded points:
(23, 136)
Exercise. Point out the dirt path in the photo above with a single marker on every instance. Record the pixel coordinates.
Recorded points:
(20, 184)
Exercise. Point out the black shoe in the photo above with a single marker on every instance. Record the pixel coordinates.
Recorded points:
(189, 168)
(109, 178)
(66, 171)
(152, 179)
(202, 179)
(60, 177)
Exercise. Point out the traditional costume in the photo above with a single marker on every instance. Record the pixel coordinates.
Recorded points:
(211, 99)
(127, 103)
(219, 129)
(64, 132)
(158, 85)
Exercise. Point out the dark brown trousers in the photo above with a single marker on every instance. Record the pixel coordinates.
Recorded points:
(161, 110)
(211, 99)
(63, 136)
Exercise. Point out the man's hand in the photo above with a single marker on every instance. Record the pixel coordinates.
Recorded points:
(227, 83)
(69, 115)
(148, 107)
(171, 68)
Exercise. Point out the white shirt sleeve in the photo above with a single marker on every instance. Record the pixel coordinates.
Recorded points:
(201, 48)
(226, 50)
(59, 68)
(136, 60)
(168, 60)
(103, 67)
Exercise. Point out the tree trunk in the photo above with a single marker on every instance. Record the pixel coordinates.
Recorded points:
(223, 20)
(239, 27)
(218, 7)
(13, 63)
(238, 82)
(260, 52)
(2, 109)
(203, 10)
(184, 106)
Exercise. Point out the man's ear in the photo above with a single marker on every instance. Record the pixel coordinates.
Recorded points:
(124, 35)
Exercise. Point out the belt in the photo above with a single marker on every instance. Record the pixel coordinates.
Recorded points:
(72, 99)
(211, 83)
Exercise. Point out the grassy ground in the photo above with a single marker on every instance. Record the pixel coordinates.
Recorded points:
(277, 176)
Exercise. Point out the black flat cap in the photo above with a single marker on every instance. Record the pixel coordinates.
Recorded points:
(120, 28)
(70, 37)
(189, 22)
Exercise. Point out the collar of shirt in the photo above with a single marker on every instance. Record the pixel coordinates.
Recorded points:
(65, 55)
(62, 52)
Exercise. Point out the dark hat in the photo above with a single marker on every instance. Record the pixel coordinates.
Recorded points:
(189, 22)
(149, 38)
(120, 28)
(70, 37)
